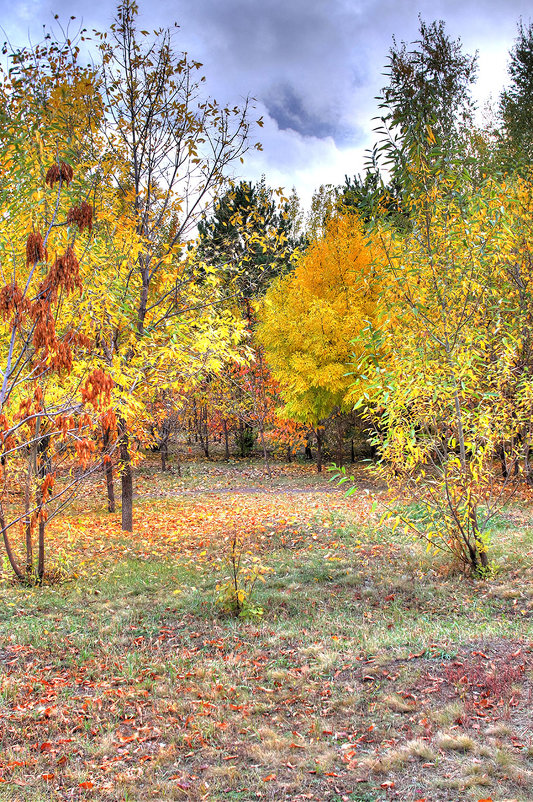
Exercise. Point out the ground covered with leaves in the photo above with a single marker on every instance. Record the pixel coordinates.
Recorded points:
(374, 672)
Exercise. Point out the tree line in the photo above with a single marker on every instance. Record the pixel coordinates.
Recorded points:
(146, 293)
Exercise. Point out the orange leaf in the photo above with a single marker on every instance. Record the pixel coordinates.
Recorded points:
(269, 777)
(47, 776)
(87, 784)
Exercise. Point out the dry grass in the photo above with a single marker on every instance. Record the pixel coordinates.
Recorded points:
(373, 675)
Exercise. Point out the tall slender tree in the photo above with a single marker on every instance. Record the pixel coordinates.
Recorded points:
(516, 101)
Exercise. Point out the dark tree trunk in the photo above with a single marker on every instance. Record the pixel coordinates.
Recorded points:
(528, 472)
(308, 452)
(289, 454)
(319, 436)
(40, 566)
(206, 445)
(226, 440)
(265, 454)
(27, 520)
(241, 437)
(352, 452)
(108, 470)
(9, 551)
(340, 442)
(126, 477)
(503, 461)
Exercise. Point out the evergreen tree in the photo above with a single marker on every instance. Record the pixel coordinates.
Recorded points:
(247, 237)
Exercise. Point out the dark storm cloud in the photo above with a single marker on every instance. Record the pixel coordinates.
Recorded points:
(300, 58)
(288, 109)
(314, 66)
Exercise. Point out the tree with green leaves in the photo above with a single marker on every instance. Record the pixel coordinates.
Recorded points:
(426, 104)
(516, 101)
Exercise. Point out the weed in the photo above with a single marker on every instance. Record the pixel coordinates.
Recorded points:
(245, 569)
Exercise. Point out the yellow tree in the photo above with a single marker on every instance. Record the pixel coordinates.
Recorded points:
(309, 318)
(449, 366)
(53, 390)
(158, 151)
(167, 151)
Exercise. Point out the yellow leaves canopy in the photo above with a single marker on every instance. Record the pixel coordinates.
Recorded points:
(310, 317)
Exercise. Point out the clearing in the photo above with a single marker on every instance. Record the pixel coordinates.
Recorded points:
(374, 673)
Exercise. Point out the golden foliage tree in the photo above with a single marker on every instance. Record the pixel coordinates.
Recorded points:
(309, 318)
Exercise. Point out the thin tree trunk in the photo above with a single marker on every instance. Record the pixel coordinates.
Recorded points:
(27, 519)
(289, 454)
(319, 450)
(206, 446)
(503, 461)
(164, 455)
(340, 442)
(226, 440)
(241, 437)
(265, 454)
(528, 472)
(40, 566)
(108, 470)
(126, 477)
(352, 452)
(9, 551)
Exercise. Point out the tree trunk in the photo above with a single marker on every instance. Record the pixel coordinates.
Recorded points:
(206, 446)
(528, 472)
(226, 440)
(503, 461)
(265, 455)
(9, 551)
(40, 565)
(27, 519)
(289, 454)
(319, 450)
(108, 470)
(241, 437)
(126, 477)
(340, 442)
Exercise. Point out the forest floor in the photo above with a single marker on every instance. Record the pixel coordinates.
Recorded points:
(374, 673)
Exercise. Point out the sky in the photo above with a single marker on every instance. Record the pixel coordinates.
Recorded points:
(314, 67)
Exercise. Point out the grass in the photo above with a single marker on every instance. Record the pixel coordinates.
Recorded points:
(374, 674)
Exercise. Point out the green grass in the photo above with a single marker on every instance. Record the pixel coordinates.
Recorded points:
(135, 682)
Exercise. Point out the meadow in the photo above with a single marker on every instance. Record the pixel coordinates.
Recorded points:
(362, 669)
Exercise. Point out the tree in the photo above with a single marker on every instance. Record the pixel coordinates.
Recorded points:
(309, 317)
(448, 366)
(53, 393)
(246, 238)
(164, 154)
(428, 90)
(157, 151)
(516, 102)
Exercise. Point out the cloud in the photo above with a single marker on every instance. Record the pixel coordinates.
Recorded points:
(314, 66)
